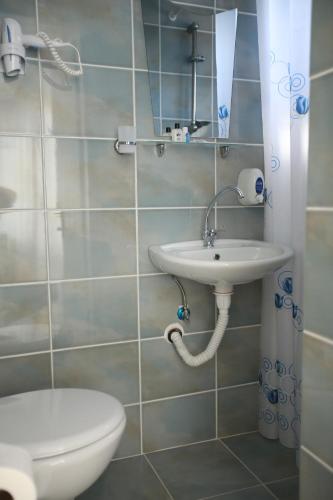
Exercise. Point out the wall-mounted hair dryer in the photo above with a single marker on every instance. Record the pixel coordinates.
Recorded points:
(13, 44)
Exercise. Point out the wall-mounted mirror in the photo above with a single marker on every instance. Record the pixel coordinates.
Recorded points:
(190, 58)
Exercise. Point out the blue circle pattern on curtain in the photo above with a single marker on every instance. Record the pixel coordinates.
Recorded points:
(223, 114)
(279, 396)
(283, 299)
(290, 87)
(271, 368)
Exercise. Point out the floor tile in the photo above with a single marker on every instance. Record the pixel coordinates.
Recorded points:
(316, 479)
(127, 479)
(130, 442)
(255, 493)
(178, 421)
(287, 489)
(199, 471)
(237, 410)
(267, 458)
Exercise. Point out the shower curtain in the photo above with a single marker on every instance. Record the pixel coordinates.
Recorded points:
(284, 53)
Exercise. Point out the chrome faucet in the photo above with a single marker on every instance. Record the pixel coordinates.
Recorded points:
(209, 234)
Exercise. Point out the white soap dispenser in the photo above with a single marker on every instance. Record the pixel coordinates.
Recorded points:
(251, 183)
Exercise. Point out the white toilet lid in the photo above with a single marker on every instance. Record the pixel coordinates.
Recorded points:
(51, 422)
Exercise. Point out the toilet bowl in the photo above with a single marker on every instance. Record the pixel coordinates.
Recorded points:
(70, 434)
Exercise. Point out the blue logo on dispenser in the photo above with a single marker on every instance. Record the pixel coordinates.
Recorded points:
(259, 185)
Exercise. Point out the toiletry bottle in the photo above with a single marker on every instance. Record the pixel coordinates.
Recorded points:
(167, 132)
(176, 133)
(185, 135)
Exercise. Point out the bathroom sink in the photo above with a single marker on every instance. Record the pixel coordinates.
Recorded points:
(228, 263)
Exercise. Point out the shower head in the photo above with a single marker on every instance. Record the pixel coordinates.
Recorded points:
(173, 10)
(194, 127)
(173, 14)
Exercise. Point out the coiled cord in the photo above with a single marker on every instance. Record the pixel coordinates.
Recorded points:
(59, 62)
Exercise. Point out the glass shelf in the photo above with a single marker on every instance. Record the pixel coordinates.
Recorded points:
(161, 144)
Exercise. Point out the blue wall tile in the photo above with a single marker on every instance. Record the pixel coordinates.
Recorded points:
(92, 105)
(22, 247)
(101, 30)
(24, 319)
(93, 312)
(86, 244)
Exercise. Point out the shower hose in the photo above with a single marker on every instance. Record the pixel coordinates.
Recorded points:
(223, 302)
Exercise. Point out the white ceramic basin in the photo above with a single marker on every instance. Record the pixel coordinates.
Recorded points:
(230, 262)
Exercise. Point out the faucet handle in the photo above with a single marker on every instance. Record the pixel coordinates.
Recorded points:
(215, 232)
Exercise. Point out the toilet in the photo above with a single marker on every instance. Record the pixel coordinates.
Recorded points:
(70, 434)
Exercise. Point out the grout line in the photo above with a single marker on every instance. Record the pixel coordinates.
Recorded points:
(45, 60)
(216, 398)
(128, 457)
(218, 495)
(238, 434)
(120, 209)
(130, 69)
(255, 382)
(186, 334)
(25, 354)
(77, 280)
(320, 74)
(319, 209)
(296, 476)
(178, 396)
(182, 446)
(139, 140)
(129, 405)
(215, 225)
(250, 80)
(165, 449)
(137, 231)
(258, 325)
(249, 470)
(316, 458)
(175, 28)
(94, 346)
(188, 75)
(46, 228)
(117, 342)
(158, 476)
(319, 337)
(240, 12)
(159, 70)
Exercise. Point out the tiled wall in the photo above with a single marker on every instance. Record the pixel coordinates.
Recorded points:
(169, 47)
(317, 435)
(80, 303)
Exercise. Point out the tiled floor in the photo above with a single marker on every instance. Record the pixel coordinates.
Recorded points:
(246, 467)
